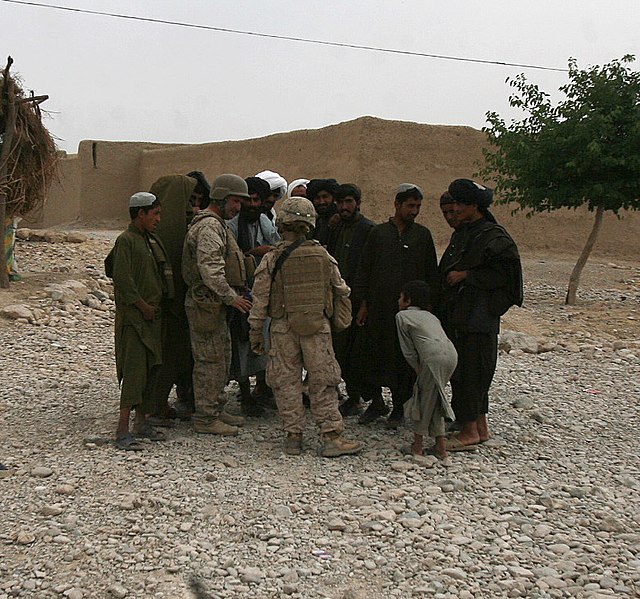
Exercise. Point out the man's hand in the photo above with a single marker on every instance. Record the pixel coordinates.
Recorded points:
(363, 313)
(260, 250)
(241, 304)
(148, 311)
(334, 221)
(456, 276)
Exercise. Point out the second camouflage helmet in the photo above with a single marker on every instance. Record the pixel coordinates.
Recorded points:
(297, 210)
(228, 185)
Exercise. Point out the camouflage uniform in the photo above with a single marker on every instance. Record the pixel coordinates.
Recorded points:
(208, 259)
(292, 350)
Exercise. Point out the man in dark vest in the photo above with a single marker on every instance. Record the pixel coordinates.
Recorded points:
(481, 278)
(345, 244)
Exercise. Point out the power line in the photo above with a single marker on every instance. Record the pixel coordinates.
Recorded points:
(287, 37)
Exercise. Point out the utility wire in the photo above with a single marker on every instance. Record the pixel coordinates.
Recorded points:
(287, 37)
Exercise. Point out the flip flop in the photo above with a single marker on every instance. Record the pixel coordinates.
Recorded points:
(454, 444)
(128, 442)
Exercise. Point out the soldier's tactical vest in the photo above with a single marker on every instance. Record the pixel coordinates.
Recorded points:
(301, 290)
(234, 266)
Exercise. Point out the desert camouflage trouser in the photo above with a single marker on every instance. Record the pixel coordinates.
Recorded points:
(211, 348)
(288, 355)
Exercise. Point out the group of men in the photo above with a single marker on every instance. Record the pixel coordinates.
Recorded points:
(225, 287)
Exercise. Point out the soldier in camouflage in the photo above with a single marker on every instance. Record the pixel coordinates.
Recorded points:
(295, 285)
(213, 269)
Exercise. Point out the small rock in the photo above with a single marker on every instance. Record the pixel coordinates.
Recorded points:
(25, 538)
(41, 472)
(117, 590)
(51, 510)
(283, 511)
(251, 575)
(337, 524)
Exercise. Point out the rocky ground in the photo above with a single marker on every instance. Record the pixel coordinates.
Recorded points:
(550, 507)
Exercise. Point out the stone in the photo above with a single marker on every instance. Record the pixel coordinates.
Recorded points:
(51, 510)
(283, 511)
(251, 575)
(523, 403)
(512, 340)
(17, 311)
(41, 472)
(75, 237)
(25, 538)
(118, 591)
(23, 233)
(336, 524)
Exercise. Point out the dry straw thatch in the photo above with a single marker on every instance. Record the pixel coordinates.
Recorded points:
(32, 161)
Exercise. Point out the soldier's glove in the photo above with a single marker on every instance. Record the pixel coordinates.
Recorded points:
(257, 344)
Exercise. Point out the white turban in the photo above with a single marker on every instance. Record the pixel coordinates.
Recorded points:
(295, 184)
(275, 181)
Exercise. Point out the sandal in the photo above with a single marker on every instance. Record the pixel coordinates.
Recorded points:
(128, 442)
(146, 431)
(454, 444)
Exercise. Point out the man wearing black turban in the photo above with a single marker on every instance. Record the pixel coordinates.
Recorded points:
(322, 193)
(481, 278)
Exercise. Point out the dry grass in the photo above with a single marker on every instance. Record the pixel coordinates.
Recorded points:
(32, 162)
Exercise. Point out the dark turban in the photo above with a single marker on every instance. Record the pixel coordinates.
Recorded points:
(259, 186)
(201, 181)
(446, 198)
(315, 186)
(465, 191)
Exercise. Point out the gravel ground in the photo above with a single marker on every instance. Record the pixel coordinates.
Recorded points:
(550, 507)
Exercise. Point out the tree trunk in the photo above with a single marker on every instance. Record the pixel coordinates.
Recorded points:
(574, 279)
(9, 110)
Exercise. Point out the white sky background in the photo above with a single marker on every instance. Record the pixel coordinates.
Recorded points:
(114, 79)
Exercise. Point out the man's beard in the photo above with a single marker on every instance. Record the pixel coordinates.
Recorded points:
(250, 214)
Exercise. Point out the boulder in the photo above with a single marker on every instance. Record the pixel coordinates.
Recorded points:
(512, 340)
(16, 311)
(67, 291)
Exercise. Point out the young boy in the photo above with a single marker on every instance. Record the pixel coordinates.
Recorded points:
(430, 353)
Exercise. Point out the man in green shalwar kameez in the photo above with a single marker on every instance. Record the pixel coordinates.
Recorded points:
(137, 264)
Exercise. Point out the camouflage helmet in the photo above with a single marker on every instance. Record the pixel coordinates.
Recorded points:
(228, 185)
(297, 210)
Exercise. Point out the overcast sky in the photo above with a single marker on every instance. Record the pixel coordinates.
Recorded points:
(124, 80)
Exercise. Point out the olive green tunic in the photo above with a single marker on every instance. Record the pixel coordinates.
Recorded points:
(138, 342)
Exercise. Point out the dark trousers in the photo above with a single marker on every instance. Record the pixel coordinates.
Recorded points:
(477, 360)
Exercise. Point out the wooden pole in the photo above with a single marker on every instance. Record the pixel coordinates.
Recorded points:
(9, 109)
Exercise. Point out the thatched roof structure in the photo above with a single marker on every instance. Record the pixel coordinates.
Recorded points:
(32, 160)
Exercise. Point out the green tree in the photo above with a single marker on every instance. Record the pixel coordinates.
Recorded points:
(585, 151)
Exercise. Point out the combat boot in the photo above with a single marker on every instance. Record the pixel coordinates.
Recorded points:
(231, 419)
(335, 445)
(217, 427)
(293, 444)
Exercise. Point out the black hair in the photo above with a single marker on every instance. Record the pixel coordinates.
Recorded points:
(348, 189)
(418, 293)
(133, 211)
(414, 193)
